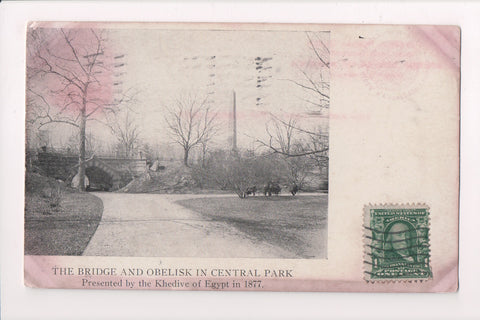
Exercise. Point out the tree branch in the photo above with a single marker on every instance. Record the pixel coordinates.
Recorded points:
(327, 64)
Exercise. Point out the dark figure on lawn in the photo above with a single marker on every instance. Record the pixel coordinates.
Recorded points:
(276, 188)
(272, 187)
(251, 190)
(294, 189)
(266, 190)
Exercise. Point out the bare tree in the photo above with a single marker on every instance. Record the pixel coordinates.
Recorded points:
(319, 141)
(316, 85)
(68, 80)
(315, 75)
(190, 123)
(206, 141)
(126, 130)
(92, 145)
(288, 138)
(281, 138)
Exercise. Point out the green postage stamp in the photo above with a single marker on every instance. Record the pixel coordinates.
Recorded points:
(397, 245)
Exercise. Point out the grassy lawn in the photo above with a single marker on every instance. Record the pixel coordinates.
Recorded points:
(58, 220)
(297, 224)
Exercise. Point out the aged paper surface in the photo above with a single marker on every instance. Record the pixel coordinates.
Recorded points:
(238, 156)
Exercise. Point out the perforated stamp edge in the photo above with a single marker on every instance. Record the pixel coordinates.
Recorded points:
(367, 242)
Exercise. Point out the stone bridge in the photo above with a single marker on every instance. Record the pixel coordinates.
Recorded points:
(107, 173)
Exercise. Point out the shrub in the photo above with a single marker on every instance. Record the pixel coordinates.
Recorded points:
(55, 197)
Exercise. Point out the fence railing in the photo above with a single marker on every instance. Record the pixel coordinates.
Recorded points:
(67, 152)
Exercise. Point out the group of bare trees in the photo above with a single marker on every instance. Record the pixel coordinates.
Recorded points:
(299, 146)
(71, 81)
(238, 171)
(316, 87)
(192, 123)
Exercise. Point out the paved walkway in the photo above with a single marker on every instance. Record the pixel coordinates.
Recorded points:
(153, 225)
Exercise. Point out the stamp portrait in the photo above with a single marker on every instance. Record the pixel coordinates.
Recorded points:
(397, 243)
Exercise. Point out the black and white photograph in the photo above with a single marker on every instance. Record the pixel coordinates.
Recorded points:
(176, 142)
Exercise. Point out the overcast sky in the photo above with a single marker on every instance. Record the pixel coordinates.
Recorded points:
(164, 65)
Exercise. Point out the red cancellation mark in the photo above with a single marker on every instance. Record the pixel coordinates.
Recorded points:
(395, 69)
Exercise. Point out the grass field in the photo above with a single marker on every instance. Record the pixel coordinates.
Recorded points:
(296, 224)
(58, 220)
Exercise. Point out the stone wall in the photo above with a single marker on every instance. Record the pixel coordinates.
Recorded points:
(64, 167)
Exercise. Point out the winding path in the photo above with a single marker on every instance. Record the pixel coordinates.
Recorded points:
(153, 225)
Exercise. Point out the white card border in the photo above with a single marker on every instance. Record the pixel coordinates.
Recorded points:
(19, 301)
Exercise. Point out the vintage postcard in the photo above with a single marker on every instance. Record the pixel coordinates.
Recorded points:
(261, 157)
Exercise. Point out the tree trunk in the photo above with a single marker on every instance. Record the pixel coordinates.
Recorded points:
(327, 168)
(81, 160)
(185, 157)
(204, 154)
